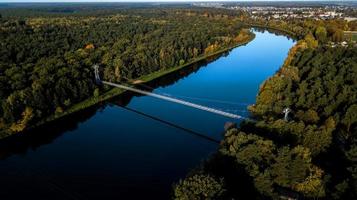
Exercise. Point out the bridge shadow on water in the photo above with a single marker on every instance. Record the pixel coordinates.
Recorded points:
(172, 125)
(21, 143)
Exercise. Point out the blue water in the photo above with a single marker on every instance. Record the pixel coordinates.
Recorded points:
(110, 152)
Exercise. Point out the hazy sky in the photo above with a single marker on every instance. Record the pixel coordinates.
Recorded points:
(136, 0)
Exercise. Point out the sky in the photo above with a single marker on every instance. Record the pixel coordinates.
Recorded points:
(7, 1)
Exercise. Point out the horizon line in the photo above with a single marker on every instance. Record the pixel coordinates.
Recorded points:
(172, 1)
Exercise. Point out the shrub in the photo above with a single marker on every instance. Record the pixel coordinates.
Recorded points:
(199, 187)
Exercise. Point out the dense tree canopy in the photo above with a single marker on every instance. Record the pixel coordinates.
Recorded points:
(46, 60)
(319, 86)
(312, 154)
(199, 187)
(274, 168)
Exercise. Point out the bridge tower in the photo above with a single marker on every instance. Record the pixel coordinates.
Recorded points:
(286, 112)
(96, 74)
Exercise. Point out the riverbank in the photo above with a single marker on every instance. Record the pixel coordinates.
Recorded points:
(289, 33)
(105, 135)
(116, 91)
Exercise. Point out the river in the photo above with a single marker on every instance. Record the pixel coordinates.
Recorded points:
(136, 147)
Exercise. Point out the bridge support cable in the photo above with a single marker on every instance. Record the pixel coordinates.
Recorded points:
(171, 99)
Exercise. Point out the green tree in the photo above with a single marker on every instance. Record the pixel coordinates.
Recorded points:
(311, 116)
(311, 41)
(337, 36)
(350, 116)
(199, 187)
(96, 92)
(321, 34)
(118, 65)
(27, 116)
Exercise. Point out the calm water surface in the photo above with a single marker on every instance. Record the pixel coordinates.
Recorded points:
(120, 149)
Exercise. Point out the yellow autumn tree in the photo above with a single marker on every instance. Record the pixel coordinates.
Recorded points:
(20, 125)
(311, 41)
(89, 46)
(242, 36)
(211, 48)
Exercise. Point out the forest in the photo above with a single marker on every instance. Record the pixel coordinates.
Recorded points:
(46, 60)
(311, 154)
(46, 56)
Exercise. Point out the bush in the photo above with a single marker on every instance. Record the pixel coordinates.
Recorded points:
(199, 187)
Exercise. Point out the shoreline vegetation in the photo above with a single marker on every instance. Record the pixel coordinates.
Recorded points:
(114, 92)
(265, 27)
(302, 143)
(310, 153)
(46, 61)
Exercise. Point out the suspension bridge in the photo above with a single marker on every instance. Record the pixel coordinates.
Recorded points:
(164, 97)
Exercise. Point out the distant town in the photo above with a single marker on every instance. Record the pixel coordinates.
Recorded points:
(290, 11)
(281, 10)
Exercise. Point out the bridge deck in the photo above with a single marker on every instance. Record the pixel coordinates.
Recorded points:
(179, 101)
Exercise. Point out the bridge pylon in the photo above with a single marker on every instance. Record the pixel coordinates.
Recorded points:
(286, 112)
(96, 74)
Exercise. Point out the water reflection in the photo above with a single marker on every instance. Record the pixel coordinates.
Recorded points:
(275, 32)
(46, 134)
(135, 147)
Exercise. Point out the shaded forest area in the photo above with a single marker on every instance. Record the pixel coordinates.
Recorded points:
(46, 56)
